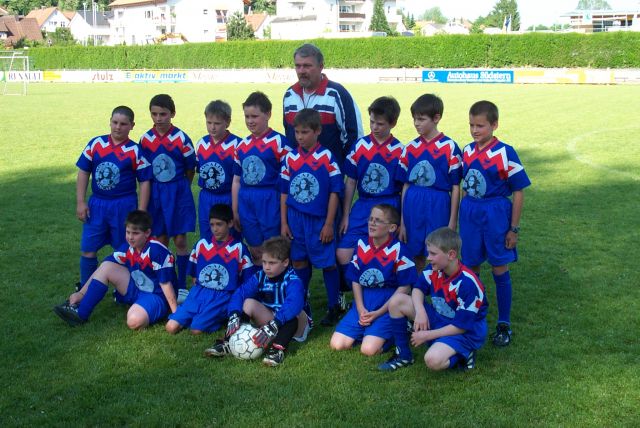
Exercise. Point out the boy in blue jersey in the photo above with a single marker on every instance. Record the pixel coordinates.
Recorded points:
(172, 156)
(489, 220)
(142, 273)
(371, 168)
(113, 163)
(273, 299)
(380, 269)
(453, 323)
(311, 184)
(431, 170)
(255, 190)
(214, 162)
(217, 266)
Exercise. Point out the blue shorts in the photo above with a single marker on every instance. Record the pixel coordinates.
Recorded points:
(306, 244)
(206, 200)
(359, 219)
(205, 309)
(172, 208)
(105, 224)
(484, 224)
(463, 344)
(155, 305)
(259, 211)
(427, 210)
(373, 299)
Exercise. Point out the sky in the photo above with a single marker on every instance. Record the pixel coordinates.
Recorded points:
(531, 11)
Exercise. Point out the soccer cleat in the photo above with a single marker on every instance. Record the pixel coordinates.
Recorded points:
(305, 333)
(394, 363)
(182, 296)
(69, 314)
(333, 316)
(502, 336)
(470, 363)
(219, 349)
(274, 357)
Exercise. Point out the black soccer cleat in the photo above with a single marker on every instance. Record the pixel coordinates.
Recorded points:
(274, 357)
(394, 363)
(69, 314)
(502, 336)
(219, 349)
(333, 316)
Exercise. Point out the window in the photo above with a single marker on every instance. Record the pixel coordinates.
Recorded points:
(147, 14)
(221, 16)
(205, 11)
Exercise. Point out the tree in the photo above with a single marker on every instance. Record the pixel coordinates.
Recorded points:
(593, 5)
(503, 9)
(238, 28)
(267, 6)
(61, 37)
(379, 19)
(434, 15)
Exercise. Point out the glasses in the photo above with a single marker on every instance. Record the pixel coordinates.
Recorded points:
(376, 221)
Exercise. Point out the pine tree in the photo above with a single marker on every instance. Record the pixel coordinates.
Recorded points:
(379, 19)
(238, 28)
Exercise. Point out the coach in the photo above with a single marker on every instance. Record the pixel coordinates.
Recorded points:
(341, 123)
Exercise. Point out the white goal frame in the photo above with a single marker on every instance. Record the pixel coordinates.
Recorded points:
(13, 61)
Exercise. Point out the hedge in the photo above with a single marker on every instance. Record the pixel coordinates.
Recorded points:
(601, 50)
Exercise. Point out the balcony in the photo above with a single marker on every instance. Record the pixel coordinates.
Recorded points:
(348, 16)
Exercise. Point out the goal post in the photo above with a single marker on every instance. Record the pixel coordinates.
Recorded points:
(14, 66)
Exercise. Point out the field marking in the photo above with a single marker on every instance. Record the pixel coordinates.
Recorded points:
(576, 155)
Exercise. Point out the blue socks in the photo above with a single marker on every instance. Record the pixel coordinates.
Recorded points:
(503, 294)
(88, 266)
(305, 277)
(399, 330)
(181, 263)
(332, 285)
(345, 284)
(454, 360)
(95, 293)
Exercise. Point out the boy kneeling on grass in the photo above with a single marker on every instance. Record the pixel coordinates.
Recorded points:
(453, 324)
(141, 271)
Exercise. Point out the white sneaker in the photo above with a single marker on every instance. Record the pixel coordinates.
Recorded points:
(305, 333)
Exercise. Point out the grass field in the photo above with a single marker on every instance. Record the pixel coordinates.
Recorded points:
(575, 356)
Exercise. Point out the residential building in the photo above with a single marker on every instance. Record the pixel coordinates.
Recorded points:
(50, 18)
(12, 30)
(260, 23)
(91, 26)
(594, 21)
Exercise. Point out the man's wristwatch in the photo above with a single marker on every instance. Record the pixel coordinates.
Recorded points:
(515, 229)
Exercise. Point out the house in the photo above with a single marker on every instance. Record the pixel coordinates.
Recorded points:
(50, 18)
(259, 22)
(12, 30)
(3, 12)
(137, 22)
(302, 19)
(91, 27)
(594, 21)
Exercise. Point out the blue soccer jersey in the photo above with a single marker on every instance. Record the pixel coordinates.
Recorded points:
(436, 163)
(309, 178)
(258, 161)
(459, 300)
(219, 265)
(215, 163)
(149, 267)
(113, 168)
(171, 155)
(284, 294)
(386, 266)
(373, 165)
(494, 171)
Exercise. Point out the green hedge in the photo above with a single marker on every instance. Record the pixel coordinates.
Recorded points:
(603, 50)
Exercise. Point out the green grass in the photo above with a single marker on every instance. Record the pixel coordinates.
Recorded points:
(574, 360)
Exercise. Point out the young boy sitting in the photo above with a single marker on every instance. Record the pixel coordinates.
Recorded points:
(141, 272)
(454, 322)
(273, 298)
(217, 265)
(311, 183)
(380, 269)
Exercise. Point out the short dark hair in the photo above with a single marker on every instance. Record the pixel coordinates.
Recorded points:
(386, 107)
(485, 108)
(125, 111)
(308, 50)
(221, 212)
(218, 108)
(277, 247)
(427, 104)
(445, 239)
(309, 118)
(164, 101)
(258, 99)
(139, 219)
(390, 212)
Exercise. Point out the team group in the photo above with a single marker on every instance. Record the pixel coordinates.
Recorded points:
(290, 199)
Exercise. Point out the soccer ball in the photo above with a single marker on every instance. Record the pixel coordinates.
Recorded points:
(241, 344)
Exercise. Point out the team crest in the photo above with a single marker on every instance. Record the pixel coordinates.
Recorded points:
(214, 276)
(474, 184)
(164, 169)
(304, 188)
(371, 278)
(107, 175)
(142, 281)
(212, 174)
(376, 179)
(422, 174)
(253, 170)
(441, 307)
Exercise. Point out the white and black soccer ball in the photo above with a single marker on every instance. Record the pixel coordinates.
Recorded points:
(241, 344)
